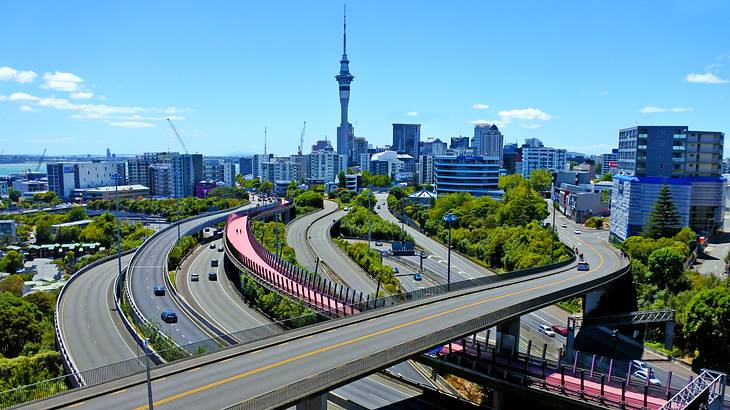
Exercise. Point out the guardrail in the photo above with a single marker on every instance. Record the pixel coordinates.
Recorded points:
(296, 391)
(68, 362)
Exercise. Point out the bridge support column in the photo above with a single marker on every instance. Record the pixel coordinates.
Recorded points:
(313, 403)
(669, 334)
(508, 335)
(591, 299)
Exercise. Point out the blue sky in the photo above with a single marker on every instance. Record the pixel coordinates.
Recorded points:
(78, 77)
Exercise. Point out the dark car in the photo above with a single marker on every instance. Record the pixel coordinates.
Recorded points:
(220, 249)
(561, 330)
(214, 263)
(417, 276)
(583, 266)
(194, 277)
(159, 290)
(212, 246)
(169, 316)
(212, 276)
(395, 270)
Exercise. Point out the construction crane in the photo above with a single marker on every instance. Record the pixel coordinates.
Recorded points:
(177, 134)
(40, 160)
(301, 138)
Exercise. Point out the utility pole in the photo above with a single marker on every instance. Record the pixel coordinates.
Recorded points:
(116, 178)
(552, 240)
(370, 194)
(149, 381)
(276, 230)
(449, 218)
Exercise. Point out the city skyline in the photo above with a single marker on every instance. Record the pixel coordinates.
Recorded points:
(75, 96)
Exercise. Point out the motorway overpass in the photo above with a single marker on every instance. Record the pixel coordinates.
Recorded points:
(287, 368)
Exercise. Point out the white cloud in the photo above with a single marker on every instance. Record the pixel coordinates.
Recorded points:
(651, 109)
(82, 95)
(531, 126)
(27, 108)
(525, 114)
(480, 106)
(22, 97)
(3, 98)
(412, 113)
(61, 81)
(11, 74)
(131, 124)
(707, 78)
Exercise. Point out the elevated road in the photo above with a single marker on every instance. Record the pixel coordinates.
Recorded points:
(296, 231)
(299, 363)
(93, 333)
(147, 270)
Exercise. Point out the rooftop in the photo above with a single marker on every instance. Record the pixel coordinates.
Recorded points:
(112, 188)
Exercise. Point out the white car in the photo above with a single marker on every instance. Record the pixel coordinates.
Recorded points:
(346, 209)
(577, 231)
(639, 365)
(641, 376)
(563, 225)
(546, 330)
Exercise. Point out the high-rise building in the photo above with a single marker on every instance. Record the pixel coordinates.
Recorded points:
(325, 165)
(688, 162)
(459, 143)
(406, 139)
(256, 162)
(365, 162)
(510, 155)
(187, 169)
(245, 166)
(359, 147)
(532, 143)
(64, 177)
(488, 140)
(536, 156)
(218, 170)
(322, 145)
(160, 180)
(608, 162)
(304, 165)
(477, 175)
(344, 78)
(280, 169)
(425, 169)
(433, 146)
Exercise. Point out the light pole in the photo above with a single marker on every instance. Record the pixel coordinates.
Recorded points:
(449, 218)
(149, 381)
(370, 194)
(276, 230)
(116, 178)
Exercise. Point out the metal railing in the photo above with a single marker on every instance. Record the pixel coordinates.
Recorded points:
(707, 387)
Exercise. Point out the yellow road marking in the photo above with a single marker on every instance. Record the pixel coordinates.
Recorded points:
(358, 339)
(118, 392)
(193, 370)
(76, 405)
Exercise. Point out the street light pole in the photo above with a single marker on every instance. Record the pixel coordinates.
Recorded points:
(149, 381)
(449, 218)
(370, 194)
(276, 230)
(119, 239)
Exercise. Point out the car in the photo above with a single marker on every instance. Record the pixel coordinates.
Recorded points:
(641, 375)
(378, 207)
(563, 225)
(546, 330)
(220, 249)
(212, 246)
(577, 231)
(169, 316)
(561, 330)
(394, 270)
(194, 277)
(159, 290)
(584, 266)
(346, 209)
(378, 243)
(417, 276)
(214, 263)
(639, 365)
(212, 276)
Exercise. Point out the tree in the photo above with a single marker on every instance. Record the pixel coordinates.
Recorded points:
(14, 194)
(20, 323)
(522, 205)
(607, 177)
(77, 213)
(266, 187)
(12, 261)
(666, 269)
(508, 182)
(47, 197)
(663, 220)
(341, 180)
(707, 327)
(12, 284)
(240, 180)
(92, 233)
(541, 180)
(291, 189)
(43, 232)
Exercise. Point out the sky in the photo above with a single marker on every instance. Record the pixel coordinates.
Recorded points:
(81, 77)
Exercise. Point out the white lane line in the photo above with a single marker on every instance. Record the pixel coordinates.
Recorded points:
(110, 286)
(192, 293)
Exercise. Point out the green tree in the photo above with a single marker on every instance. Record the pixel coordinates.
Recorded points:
(92, 233)
(341, 180)
(12, 284)
(20, 323)
(607, 177)
(43, 232)
(266, 187)
(666, 269)
(510, 181)
(240, 180)
(12, 261)
(663, 220)
(14, 194)
(77, 213)
(522, 205)
(707, 327)
(46, 197)
(541, 180)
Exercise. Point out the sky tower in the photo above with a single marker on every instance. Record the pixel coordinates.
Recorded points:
(344, 78)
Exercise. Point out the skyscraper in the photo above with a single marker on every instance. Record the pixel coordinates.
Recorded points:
(344, 78)
(406, 139)
(488, 140)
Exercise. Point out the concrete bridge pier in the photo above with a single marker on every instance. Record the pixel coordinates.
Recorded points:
(508, 335)
(591, 299)
(318, 402)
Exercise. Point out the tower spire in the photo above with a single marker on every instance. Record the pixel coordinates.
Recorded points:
(344, 32)
(265, 130)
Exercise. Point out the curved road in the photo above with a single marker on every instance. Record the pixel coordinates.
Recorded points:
(93, 332)
(245, 375)
(296, 233)
(147, 271)
(218, 300)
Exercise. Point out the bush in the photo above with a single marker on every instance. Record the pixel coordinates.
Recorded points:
(370, 263)
(276, 306)
(595, 222)
(355, 224)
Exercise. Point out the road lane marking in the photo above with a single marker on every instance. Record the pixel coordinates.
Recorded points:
(118, 392)
(358, 339)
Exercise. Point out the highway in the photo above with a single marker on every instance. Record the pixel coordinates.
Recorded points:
(296, 234)
(147, 270)
(241, 374)
(218, 300)
(93, 332)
